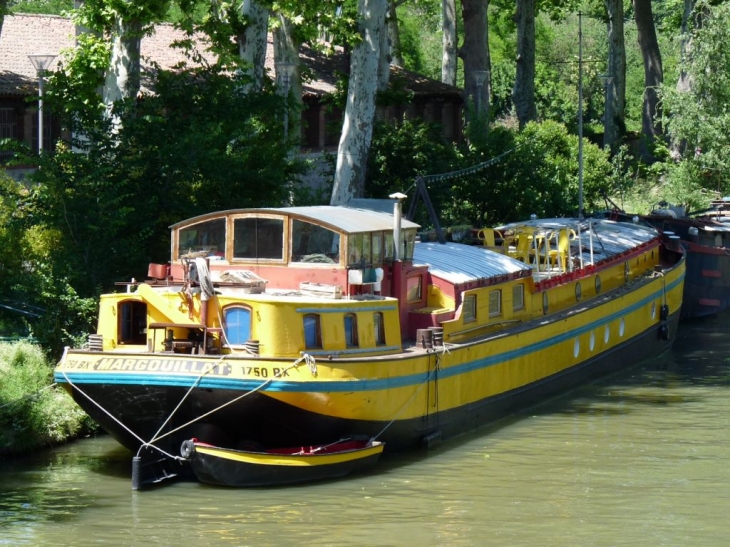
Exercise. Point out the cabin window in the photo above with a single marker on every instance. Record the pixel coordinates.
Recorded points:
(207, 237)
(312, 331)
(257, 238)
(377, 248)
(470, 308)
(518, 297)
(132, 327)
(351, 330)
(409, 244)
(312, 243)
(237, 325)
(379, 327)
(495, 303)
(413, 289)
(389, 247)
(359, 250)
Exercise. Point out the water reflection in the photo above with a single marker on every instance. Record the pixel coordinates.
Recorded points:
(639, 458)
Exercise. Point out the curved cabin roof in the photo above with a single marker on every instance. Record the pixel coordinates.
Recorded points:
(347, 220)
(458, 263)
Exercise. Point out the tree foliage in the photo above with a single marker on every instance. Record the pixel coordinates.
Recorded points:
(534, 171)
(194, 146)
(699, 118)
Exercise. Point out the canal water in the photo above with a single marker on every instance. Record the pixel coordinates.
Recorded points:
(639, 458)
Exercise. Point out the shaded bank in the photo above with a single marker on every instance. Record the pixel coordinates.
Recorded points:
(33, 413)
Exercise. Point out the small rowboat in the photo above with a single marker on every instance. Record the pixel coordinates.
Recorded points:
(279, 466)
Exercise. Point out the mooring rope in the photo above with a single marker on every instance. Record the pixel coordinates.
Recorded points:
(105, 411)
(193, 386)
(305, 357)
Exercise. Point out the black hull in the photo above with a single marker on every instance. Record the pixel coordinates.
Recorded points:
(707, 282)
(211, 469)
(707, 278)
(271, 423)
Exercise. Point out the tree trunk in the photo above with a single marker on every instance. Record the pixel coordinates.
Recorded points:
(684, 82)
(448, 56)
(3, 11)
(286, 53)
(615, 108)
(475, 55)
(690, 20)
(252, 42)
(396, 55)
(122, 77)
(357, 127)
(653, 72)
(384, 53)
(523, 93)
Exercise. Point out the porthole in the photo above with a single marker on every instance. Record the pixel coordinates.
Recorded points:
(606, 334)
(576, 348)
(592, 341)
(621, 327)
(626, 271)
(578, 292)
(598, 284)
(545, 303)
(653, 310)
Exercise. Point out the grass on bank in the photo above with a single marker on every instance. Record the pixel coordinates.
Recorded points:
(33, 412)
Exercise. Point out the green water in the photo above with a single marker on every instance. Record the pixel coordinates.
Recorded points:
(640, 458)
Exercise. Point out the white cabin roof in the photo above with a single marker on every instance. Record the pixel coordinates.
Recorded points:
(458, 263)
(343, 219)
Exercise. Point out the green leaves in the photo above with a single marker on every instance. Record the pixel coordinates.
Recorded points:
(698, 119)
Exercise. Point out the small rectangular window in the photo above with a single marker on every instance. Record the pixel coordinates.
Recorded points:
(377, 248)
(413, 289)
(470, 308)
(8, 123)
(379, 328)
(351, 330)
(495, 303)
(389, 247)
(312, 331)
(518, 297)
(359, 250)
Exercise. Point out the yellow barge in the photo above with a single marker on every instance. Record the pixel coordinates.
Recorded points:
(301, 325)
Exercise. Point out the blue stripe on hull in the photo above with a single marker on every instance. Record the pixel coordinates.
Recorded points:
(331, 386)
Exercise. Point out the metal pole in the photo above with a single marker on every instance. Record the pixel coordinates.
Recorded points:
(40, 112)
(40, 62)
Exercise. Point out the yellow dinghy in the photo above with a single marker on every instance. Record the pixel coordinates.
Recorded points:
(280, 466)
(296, 325)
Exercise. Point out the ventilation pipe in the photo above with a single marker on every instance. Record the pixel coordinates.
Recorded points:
(397, 217)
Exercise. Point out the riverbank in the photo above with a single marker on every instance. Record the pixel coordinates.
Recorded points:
(34, 413)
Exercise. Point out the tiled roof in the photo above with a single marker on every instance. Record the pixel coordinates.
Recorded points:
(23, 35)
